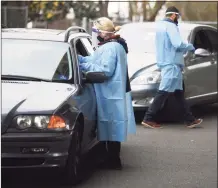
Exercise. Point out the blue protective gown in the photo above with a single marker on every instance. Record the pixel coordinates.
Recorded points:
(169, 54)
(115, 112)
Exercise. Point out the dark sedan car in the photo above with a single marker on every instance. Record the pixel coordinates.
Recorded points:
(200, 72)
(48, 105)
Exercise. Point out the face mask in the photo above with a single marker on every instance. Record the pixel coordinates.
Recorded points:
(100, 39)
(96, 38)
(176, 21)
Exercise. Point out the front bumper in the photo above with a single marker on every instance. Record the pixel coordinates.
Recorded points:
(143, 95)
(34, 150)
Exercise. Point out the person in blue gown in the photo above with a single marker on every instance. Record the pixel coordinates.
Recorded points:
(114, 104)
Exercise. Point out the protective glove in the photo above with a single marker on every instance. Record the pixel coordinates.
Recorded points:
(81, 67)
(80, 58)
(192, 48)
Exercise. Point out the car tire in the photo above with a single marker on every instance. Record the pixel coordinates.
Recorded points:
(72, 170)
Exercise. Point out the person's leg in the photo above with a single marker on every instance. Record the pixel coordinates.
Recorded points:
(112, 158)
(101, 153)
(158, 103)
(188, 117)
(114, 161)
(179, 95)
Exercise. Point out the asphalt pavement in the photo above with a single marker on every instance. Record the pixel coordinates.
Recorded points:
(172, 157)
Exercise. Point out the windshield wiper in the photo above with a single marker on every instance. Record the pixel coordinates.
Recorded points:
(26, 78)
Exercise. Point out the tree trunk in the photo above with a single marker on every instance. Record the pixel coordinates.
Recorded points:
(130, 11)
(157, 7)
(104, 8)
(134, 9)
(144, 6)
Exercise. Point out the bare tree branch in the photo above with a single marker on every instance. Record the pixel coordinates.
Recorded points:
(157, 7)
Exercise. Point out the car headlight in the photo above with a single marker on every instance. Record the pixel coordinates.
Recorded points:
(147, 78)
(24, 122)
(41, 122)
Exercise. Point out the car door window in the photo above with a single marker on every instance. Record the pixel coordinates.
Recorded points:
(64, 70)
(201, 41)
(88, 45)
(212, 36)
(80, 48)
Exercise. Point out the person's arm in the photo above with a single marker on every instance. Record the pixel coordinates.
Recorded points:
(84, 59)
(107, 65)
(176, 40)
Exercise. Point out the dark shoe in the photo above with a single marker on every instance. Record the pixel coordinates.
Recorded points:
(112, 164)
(115, 164)
(150, 124)
(195, 123)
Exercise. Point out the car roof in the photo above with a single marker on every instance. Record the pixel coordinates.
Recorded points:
(151, 25)
(38, 34)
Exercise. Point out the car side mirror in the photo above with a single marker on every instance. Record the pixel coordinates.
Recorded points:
(200, 52)
(94, 77)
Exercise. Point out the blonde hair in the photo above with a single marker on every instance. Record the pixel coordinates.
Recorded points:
(117, 28)
(105, 24)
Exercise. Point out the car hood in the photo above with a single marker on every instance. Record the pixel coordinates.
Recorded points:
(138, 61)
(26, 97)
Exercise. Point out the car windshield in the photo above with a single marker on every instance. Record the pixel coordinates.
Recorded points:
(46, 60)
(141, 38)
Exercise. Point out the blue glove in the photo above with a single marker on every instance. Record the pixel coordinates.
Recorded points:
(193, 48)
(80, 58)
(81, 67)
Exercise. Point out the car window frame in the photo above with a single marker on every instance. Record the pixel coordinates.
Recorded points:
(195, 31)
(86, 50)
(71, 80)
(73, 54)
(191, 59)
(213, 30)
(72, 41)
(89, 40)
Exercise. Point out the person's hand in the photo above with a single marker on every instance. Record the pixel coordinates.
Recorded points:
(80, 58)
(193, 51)
(80, 67)
(181, 68)
(192, 48)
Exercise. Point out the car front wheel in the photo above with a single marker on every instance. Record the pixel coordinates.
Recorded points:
(72, 171)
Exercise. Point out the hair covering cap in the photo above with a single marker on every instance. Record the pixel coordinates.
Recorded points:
(172, 10)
